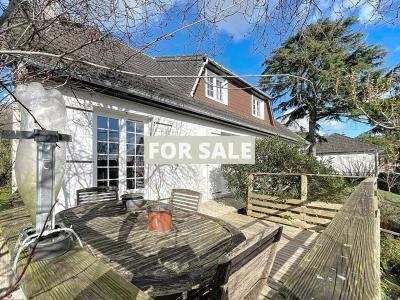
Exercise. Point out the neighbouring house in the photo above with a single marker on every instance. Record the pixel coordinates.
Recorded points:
(349, 156)
(109, 113)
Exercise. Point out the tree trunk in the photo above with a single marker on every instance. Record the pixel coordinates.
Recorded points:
(312, 133)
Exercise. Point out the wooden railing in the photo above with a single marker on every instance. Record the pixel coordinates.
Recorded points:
(299, 212)
(344, 262)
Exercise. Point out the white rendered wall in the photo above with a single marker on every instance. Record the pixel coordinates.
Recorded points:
(362, 164)
(82, 109)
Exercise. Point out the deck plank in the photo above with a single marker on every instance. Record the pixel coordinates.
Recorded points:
(294, 244)
(75, 275)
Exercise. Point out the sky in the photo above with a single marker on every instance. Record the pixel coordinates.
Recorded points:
(236, 51)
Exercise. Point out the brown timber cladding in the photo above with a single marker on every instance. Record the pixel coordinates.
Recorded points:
(239, 101)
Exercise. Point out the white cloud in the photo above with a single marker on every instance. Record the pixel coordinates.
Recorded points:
(326, 125)
(332, 124)
(367, 13)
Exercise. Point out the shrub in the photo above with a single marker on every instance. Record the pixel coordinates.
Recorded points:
(273, 155)
(5, 163)
(390, 264)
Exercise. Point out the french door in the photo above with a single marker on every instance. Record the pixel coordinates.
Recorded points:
(119, 153)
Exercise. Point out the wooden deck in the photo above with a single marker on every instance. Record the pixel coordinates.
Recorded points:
(294, 244)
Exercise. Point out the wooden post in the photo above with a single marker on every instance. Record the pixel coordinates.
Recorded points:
(303, 188)
(249, 188)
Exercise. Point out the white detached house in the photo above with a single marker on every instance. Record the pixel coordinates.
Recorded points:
(109, 113)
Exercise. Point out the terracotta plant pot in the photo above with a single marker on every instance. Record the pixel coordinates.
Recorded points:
(159, 218)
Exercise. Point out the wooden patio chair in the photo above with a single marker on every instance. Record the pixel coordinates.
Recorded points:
(245, 274)
(96, 194)
(185, 199)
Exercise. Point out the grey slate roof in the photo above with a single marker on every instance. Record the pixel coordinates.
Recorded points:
(341, 144)
(164, 93)
(187, 65)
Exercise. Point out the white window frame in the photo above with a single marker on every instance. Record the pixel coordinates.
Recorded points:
(257, 107)
(122, 164)
(211, 84)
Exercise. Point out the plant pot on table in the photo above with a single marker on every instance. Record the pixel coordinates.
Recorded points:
(159, 217)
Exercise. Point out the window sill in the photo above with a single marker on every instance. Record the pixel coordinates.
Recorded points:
(216, 100)
(261, 118)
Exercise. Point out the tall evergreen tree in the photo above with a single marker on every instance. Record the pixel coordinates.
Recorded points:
(310, 69)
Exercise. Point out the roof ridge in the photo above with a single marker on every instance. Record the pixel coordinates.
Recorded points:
(180, 57)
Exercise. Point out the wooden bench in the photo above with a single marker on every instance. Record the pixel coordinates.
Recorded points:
(344, 262)
(74, 275)
(245, 274)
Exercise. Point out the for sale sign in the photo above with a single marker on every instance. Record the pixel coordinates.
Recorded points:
(199, 149)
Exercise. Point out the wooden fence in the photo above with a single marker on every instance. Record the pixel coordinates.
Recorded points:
(298, 212)
(344, 262)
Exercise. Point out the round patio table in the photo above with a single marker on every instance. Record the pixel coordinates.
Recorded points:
(159, 263)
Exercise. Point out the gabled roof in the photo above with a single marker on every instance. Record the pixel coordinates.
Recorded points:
(341, 144)
(170, 94)
(192, 65)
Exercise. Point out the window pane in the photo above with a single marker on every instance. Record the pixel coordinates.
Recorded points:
(101, 122)
(139, 183)
(140, 161)
(102, 160)
(108, 143)
(130, 184)
(113, 136)
(139, 139)
(113, 183)
(130, 149)
(130, 161)
(140, 172)
(210, 90)
(113, 124)
(102, 148)
(113, 148)
(140, 150)
(130, 172)
(102, 173)
(113, 173)
(219, 89)
(130, 126)
(139, 127)
(102, 135)
(101, 183)
(113, 160)
(134, 146)
(130, 138)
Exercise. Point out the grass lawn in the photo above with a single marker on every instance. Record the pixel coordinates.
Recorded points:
(7, 200)
(389, 205)
(385, 195)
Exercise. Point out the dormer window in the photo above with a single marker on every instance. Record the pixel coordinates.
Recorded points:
(216, 87)
(257, 107)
